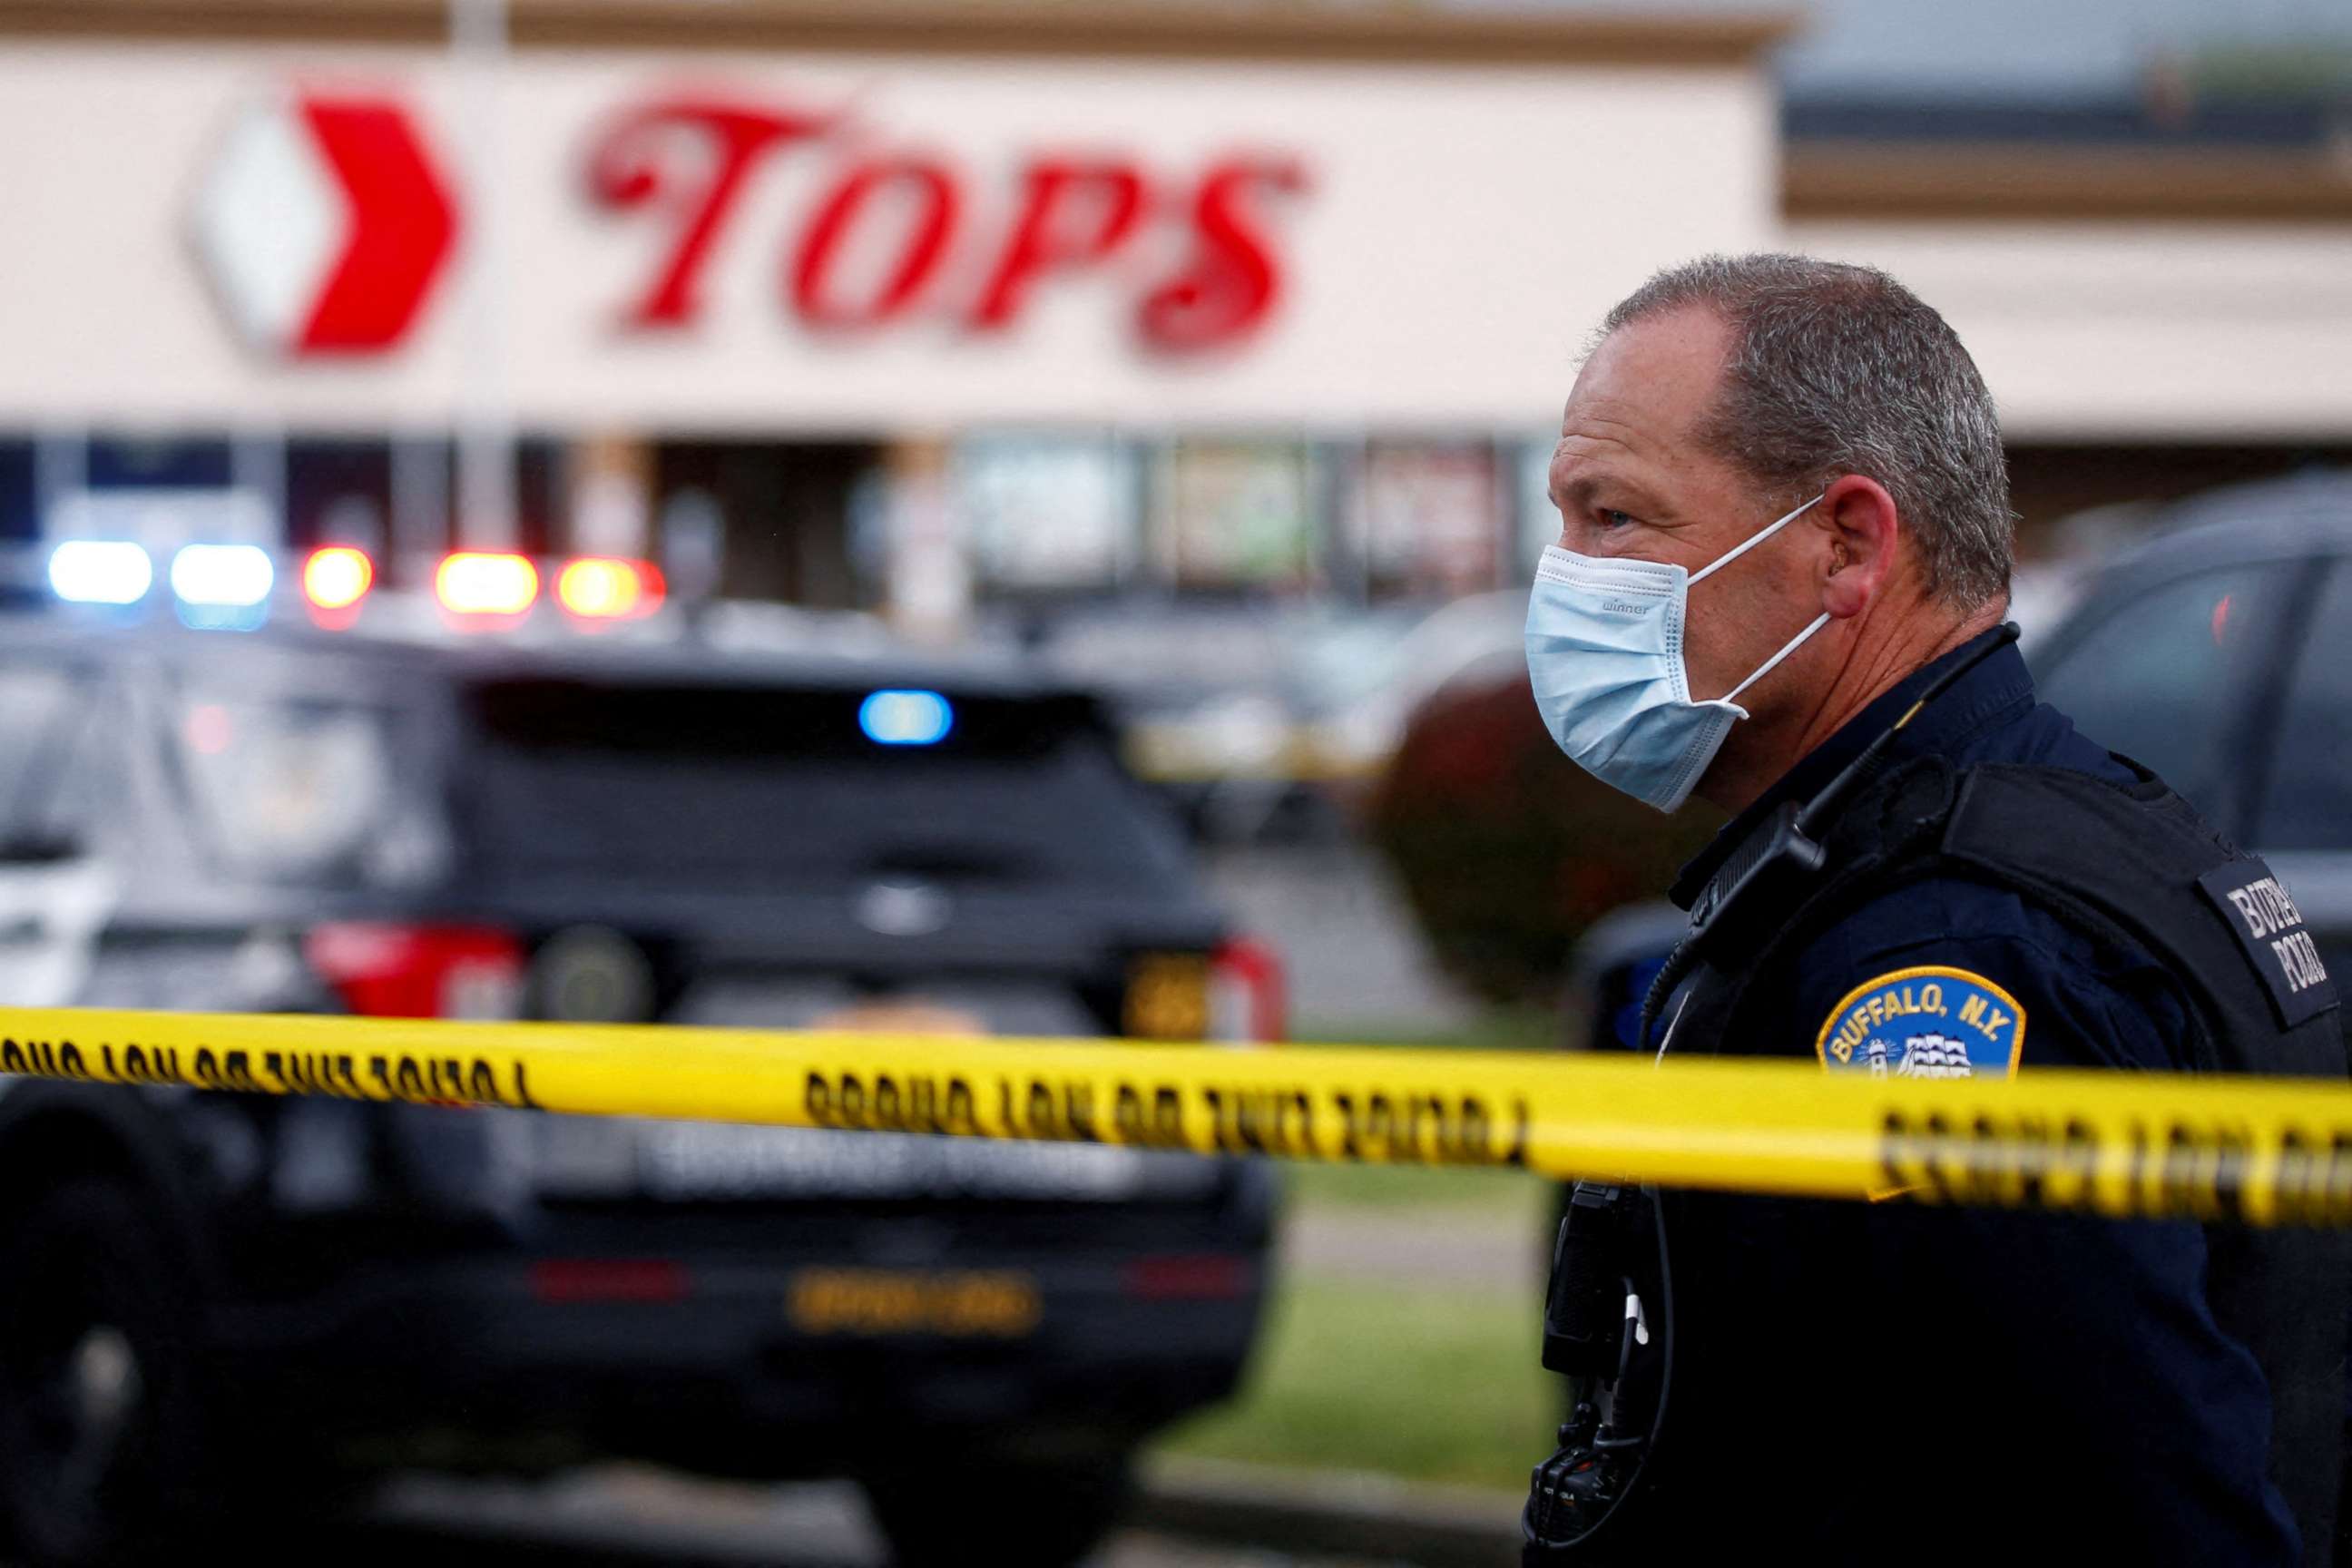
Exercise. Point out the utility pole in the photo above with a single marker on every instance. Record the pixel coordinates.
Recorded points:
(486, 516)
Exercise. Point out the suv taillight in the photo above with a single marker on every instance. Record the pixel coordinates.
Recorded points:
(1246, 998)
(390, 971)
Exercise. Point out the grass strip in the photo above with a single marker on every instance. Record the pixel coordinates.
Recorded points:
(1417, 1381)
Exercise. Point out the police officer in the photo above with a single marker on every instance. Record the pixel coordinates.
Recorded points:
(1780, 582)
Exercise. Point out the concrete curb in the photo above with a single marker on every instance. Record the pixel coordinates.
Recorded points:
(1329, 1513)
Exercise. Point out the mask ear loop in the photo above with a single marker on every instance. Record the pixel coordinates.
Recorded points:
(1734, 554)
(1766, 668)
(1751, 542)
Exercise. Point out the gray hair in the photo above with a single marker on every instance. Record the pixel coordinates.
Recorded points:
(1836, 369)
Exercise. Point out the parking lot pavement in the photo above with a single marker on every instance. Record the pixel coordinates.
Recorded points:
(1351, 950)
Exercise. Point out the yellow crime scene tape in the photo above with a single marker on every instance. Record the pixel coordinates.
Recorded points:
(2262, 1151)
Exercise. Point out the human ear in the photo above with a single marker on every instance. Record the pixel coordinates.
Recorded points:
(1864, 529)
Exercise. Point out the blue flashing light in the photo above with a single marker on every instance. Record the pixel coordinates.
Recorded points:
(223, 587)
(900, 718)
(100, 572)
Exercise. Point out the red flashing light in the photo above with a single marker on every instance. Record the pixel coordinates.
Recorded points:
(475, 582)
(337, 577)
(600, 588)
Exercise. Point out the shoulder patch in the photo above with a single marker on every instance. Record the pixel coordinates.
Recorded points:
(1926, 1022)
(2261, 914)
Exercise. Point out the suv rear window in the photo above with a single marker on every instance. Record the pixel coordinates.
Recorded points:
(2310, 802)
(288, 787)
(722, 784)
(2164, 677)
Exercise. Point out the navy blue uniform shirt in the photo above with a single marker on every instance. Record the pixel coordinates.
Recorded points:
(1984, 1365)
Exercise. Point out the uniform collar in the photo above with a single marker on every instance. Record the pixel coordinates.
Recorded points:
(1992, 690)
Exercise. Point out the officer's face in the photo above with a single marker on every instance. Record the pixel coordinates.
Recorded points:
(1631, 477)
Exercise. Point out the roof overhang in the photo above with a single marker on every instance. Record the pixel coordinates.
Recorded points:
(1910, 182)
(1698, 37)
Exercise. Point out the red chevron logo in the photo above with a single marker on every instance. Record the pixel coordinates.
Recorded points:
(323, 224)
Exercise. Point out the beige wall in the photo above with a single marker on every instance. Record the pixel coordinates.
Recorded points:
(2150, 331)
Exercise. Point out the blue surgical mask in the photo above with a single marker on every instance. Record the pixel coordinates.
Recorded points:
(1605, 652)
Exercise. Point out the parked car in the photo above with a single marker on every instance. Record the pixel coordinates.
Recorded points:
(2219, 654)
(223, 1294)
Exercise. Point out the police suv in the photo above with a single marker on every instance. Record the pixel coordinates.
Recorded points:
(203, 1295)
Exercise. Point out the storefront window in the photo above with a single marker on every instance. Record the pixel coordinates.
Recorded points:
(159, 492)
(339, 491)
(1240, 514)
(1048, 511)
(360, 490)
(1428, 518)
(774, 520)
(539, 492)
(19, 490)
(123, 462)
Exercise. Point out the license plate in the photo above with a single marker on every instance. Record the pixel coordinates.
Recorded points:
(989, 1304)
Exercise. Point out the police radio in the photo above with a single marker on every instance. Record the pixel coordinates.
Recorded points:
(1611, 1271)
(1609, 1266)
(1609, 1250)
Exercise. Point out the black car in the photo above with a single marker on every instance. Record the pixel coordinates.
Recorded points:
(208, 1295)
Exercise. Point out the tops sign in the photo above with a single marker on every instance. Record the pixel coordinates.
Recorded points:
(324, 221)
(829, 242)
(894, 233)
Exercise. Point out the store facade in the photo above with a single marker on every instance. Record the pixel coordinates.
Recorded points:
(926, 305)
(920, 307)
